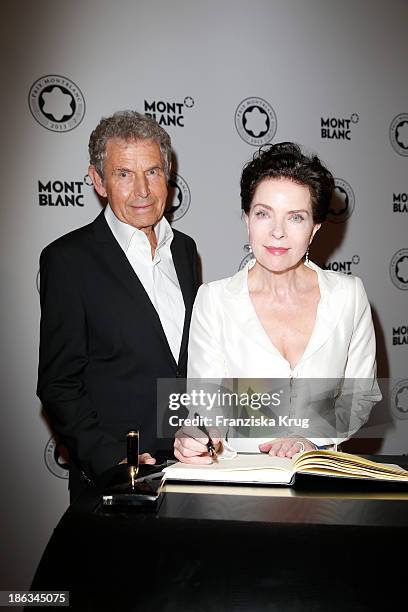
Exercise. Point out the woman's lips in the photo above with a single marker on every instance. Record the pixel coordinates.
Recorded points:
(276, 250)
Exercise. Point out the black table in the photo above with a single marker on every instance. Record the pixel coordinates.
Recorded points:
(322, 546)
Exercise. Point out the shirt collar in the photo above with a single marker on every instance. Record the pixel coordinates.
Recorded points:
(328, 281)
(124, 232)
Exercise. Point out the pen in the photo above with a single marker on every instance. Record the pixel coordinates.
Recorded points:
(210, 445)
(132, 442)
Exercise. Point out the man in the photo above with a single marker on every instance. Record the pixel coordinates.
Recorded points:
(116, 300)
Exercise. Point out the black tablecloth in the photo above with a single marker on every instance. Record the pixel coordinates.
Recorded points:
(313, 549)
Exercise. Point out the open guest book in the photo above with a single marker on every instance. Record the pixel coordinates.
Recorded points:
(262, 469)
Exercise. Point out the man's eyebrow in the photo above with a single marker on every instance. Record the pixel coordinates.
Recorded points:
(122, 168)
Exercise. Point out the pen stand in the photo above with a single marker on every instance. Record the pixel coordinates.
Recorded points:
(118, 490)
(131, 485)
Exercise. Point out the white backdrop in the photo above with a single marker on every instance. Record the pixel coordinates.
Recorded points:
(226, 76)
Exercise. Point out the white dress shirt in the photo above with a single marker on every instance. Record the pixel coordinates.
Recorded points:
(227, 340)
(158, 275)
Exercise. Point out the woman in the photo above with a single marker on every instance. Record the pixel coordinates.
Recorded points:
(282, 316)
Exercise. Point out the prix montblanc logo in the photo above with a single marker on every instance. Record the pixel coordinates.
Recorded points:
(55, 459)
(399, 399)
(399, 269)
(179, 197)
(56, 103)
(342, 203)
(168, 113)
(337, 128)
(255, 121)
(247, 257)
(399, 134)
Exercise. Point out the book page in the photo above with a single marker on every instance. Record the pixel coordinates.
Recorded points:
(256, 468)
(339, 464)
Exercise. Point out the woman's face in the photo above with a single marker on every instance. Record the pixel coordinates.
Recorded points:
(280, 223)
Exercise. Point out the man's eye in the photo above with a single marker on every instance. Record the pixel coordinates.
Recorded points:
(123, 173)
(260, 213)
(153, 171)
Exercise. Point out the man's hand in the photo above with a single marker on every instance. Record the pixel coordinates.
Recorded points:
(190, 445)
(286, 447)
(143, 458)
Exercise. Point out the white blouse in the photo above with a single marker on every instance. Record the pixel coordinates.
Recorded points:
(227, 339)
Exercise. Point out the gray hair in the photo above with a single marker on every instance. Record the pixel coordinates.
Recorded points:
(128, 125)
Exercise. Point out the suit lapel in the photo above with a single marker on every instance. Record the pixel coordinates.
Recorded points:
(118, 264)
(183, 265)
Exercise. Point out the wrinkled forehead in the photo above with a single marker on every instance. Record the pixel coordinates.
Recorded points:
(132, 150)
(116, 143)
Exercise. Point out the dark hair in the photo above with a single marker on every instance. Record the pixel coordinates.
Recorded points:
(286, 160)
(128, 125)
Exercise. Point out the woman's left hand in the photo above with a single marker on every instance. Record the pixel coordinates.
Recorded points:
(286, 447)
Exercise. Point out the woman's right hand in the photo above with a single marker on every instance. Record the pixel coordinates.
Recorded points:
(190, 445)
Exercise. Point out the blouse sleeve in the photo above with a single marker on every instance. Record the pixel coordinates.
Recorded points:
(206, 358)
(360, 388)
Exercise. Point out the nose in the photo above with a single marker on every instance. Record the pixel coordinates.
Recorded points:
(141, 186)
(278, 229)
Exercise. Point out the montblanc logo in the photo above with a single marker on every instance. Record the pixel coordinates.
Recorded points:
(343, 265)
(399, 335)
(179, 198)
(399, 399)
(337, 128)
(342, 203)
(168, 113)
(400, 202)
(55, 457)
(61, 193)
(56, 103)
(247, 257)
(399, 134)
(399, 269)
(255, 121)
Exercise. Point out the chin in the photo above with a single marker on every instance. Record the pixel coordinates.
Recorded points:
(144, 220)
(279, 265)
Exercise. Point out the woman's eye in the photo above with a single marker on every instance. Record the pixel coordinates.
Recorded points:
(297, 218)
(260, 213)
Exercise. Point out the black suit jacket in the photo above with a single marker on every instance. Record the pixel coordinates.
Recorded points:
(102, 345)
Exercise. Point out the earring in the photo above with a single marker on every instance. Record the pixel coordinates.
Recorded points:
(248, 248)
(307, 255)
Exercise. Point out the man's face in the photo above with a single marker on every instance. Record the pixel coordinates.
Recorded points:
(133, 182)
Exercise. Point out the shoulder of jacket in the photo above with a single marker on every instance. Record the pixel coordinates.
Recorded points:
(69, 241)
(340, 279)
(212, 293)
(181, 237)
(217, 286)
